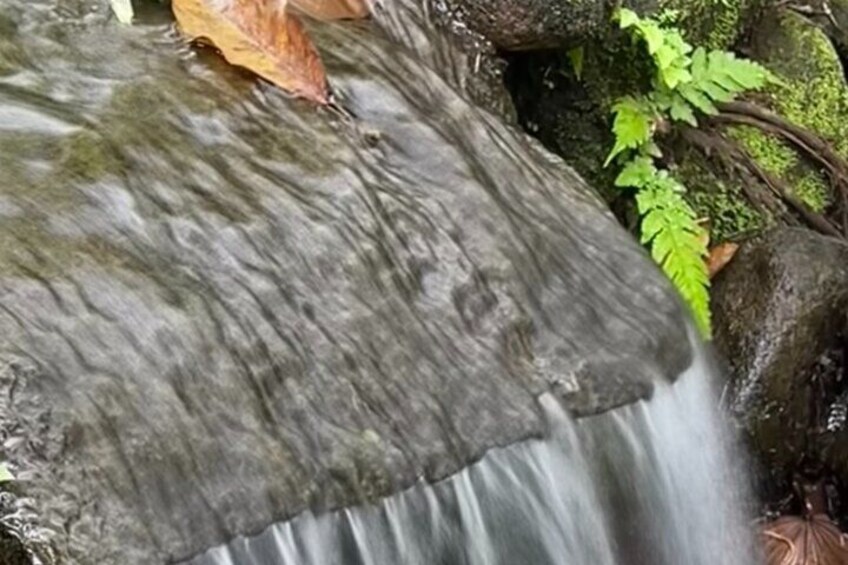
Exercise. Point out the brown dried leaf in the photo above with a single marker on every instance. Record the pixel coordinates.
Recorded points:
(332, 9)
(720, 256)
(260, 36)
(793, 540)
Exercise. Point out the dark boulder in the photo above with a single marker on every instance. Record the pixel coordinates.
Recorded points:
(12, 551)
(778, 311)
(519, 25)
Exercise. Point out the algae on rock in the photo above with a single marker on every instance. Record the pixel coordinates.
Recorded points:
(712, 24)
(813, 94)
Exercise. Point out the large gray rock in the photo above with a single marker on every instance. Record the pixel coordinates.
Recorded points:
(220, 307)
(462, 56)
(518, 25)
(777, 309)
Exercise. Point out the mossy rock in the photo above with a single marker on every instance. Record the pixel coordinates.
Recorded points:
(720, 199)
(832, 17)
(713, 24)
(568, 108)
(812, 93)
(570, 114)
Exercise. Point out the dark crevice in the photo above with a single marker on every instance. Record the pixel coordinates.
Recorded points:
(12, 551)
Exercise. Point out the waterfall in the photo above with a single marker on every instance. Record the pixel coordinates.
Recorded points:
(221, 308)
(653, 483)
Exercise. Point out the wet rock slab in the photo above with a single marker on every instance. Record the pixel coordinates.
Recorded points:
(220, 307)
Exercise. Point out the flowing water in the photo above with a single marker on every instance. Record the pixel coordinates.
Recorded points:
(653, 484)
(221, 308)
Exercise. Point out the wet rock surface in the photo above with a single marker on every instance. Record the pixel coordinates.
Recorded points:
(220, 307)
(779, 314)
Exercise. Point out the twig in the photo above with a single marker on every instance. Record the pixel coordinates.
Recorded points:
(815, 147)
(738, 154)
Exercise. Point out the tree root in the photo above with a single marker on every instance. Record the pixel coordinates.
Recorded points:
(814, 147)
(717, 146)
(779, 199)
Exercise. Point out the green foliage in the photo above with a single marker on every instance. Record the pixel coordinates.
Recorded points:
(715, 24)
(687, 81)
(577, 56)
(720, 199)
(812, 94)
(634, 119)
(5, 474)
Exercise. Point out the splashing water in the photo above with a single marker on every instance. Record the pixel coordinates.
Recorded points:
(651, 483)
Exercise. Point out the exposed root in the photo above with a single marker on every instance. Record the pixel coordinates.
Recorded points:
(715, 145)
(778, 199)
(814, 147)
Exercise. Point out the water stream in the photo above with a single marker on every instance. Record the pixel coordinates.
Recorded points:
(654, 483)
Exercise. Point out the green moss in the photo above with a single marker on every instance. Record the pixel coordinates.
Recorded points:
(713, 24)
(812, 190)
(12, 55)
(778, 158)
(720, 200)
(85, 156)
(813, 94)
(770, 152)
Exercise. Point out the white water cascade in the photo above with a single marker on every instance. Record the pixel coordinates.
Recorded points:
(651, 484)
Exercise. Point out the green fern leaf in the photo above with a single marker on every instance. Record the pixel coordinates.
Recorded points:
(632, 125)
(576, 56)
(674, 77)
(698, 99)
(627, 18)
(747, 74)
(720, 77)
(681, 111)
(717, 93)
(699, 63)
(669, 227)
(686, 81)
(666, 56)
(636, 173)
(675, 39)
(652, 34)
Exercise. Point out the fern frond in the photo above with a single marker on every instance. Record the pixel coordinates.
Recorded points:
(669, 227)
(633, 125)
(720, 76)
(686, 81)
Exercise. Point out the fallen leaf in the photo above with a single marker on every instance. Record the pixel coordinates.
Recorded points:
(332, 9)
(793, 540)
(258, 35)
(123, 10)
(720, 256)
